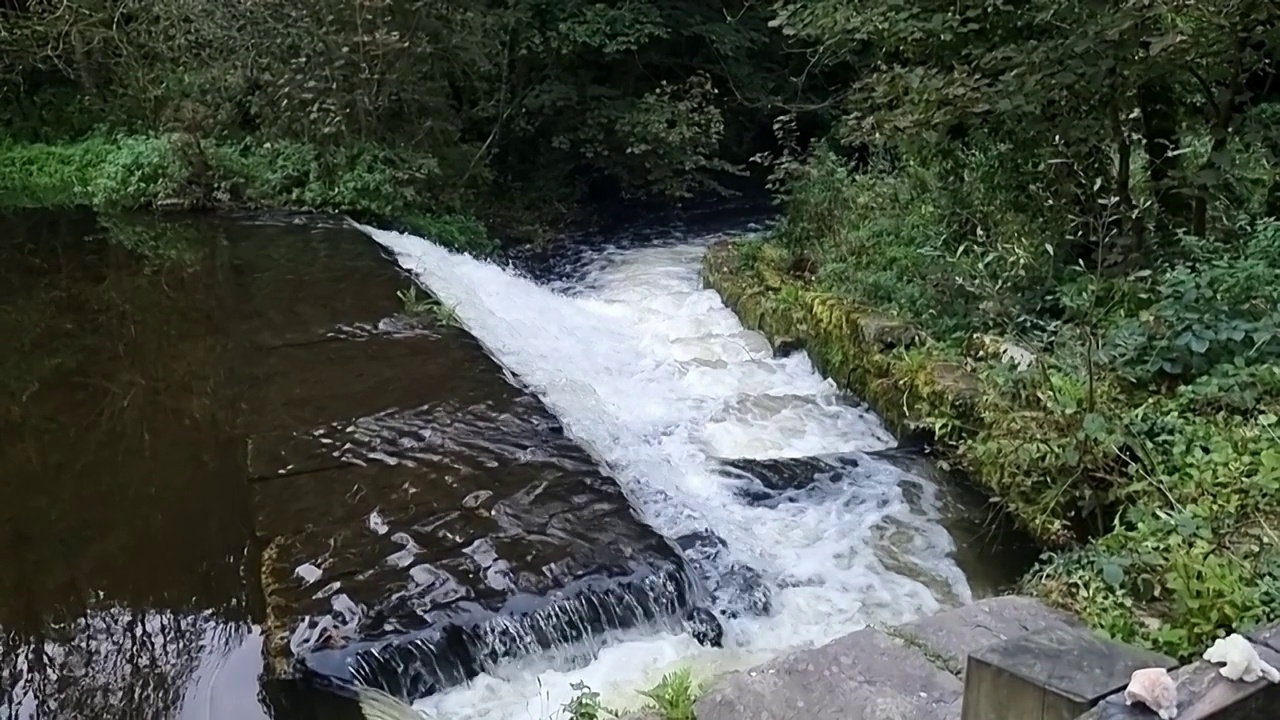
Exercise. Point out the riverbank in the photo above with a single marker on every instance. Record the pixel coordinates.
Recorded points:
(114, 173)
(1158, 510)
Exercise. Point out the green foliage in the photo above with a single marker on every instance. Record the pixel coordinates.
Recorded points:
(1217, 308)
(135, 172)
(102, 172)
(426, 306)
(586, 705)
(674, 696)
(460, 232)
(299, 175)
(440, 100)
(672, 699)
(1195, 550)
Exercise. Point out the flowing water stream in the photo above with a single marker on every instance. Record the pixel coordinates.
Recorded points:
(661, 383)
(223, 443)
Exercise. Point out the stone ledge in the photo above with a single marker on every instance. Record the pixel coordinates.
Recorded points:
(866, 675)
(1203, 694)
(1268, 638)
(951, 636)
(1054, 674)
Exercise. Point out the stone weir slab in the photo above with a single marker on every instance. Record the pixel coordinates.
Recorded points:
(909, 672)
(421, 517)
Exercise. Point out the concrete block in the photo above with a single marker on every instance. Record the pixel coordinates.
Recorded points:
(1267, 637)
(1203, 694)
(1053, 674)
(950, 636)
(866, 675)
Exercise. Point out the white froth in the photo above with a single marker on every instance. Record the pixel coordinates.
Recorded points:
(658, 379)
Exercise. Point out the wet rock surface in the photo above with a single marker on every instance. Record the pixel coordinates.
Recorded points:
(422, 517)
(772, 481)
(734, 588)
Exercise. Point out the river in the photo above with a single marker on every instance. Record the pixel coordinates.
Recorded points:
(223, 440)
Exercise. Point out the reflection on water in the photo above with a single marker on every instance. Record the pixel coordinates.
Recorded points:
(124, 525)
(113, 663)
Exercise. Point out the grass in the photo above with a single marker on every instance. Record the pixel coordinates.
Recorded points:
(416, 305)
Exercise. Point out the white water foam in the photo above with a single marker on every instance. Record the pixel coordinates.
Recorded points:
(658, 379)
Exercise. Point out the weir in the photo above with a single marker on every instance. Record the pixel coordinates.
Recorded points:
(601, 479)
(423, 519)
(698, 421)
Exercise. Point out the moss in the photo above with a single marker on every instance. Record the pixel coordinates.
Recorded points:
(275, 624)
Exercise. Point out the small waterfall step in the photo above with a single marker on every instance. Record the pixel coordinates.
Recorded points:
(422, 518)
(907, 672)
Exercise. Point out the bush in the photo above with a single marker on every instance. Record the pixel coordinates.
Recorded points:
(114, 173)
(101, 172)
(1218, 307)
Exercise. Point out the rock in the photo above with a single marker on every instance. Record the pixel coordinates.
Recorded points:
(1267, 637)
(773, 476)
(866, 675)
(704, 626)
(733, 588)
(954, 634)
(888, 333)
(786, 345)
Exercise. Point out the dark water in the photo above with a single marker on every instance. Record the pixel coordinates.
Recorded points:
(124, 526)
(224, 449)
(222, 442)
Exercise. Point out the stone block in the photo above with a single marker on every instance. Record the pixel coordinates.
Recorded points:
(950, 636)
(1203, 694)
(1053, 674)
(1269, 638)
(866, 675)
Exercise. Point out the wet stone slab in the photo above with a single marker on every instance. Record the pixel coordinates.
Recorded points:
(446, 434)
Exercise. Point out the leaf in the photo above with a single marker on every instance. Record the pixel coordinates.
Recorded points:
(1095, 426)
(1198, 345)
(1164, 42)
(1112, 574)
